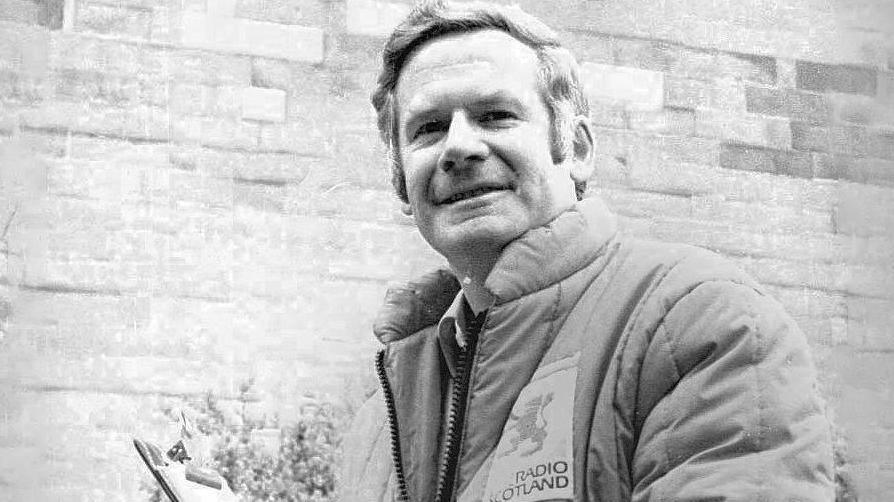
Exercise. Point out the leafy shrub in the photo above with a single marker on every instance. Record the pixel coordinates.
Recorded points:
(302, 469)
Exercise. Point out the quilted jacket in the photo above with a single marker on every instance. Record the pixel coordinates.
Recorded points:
(608, 369)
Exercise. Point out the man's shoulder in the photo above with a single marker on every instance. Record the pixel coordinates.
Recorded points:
(410, 307)
(647, 279)
(698, 295)
(677, 266)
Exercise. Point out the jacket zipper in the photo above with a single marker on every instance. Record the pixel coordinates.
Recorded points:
(403, 495)
(455, 420)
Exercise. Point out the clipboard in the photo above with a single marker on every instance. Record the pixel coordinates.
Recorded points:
(180, 480)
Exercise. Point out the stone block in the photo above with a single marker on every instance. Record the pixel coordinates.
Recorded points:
(164, 24)
(728, 95)
(864, 210)
(862, 110)
(880, 143)
(188, 98)
(305, 12)
(112, 89)
(270, 168)
(809, 137)
(860, 169)
(90, 53)
(294, 43)
(870, 478)
(296, 137)
(210, 131)
(374, 17)
(350, 203)
(201, 274)
(196, 66)
(685, 93)
(844, 140)
(811, 303)
(886, 85)
(23, 89)
(825, 166)
(84, 179)
(823, 334)
(645, 54)
(590, 46)
(711, 65)
(786, 73)
(746, 67)
(866, 447)
(360, 250)
(138, 122)
(221, 8)
(263, 195)
(770, 132)
(652, 171)
(752, 158)
(199, 189)
(626, 144)
(868, 319)
(711, 220)
(733, 234)
(860, 371)
(115, 20)
(271, 73)
(20, 11)
(24, 48)
(851, 140)
(258, 38)
(608, 115)
(645, 204)
(224, 101)
(797, 105)
(675, 121)
(333, 100)
(821, 77)
(634, 88)
(262, 104)
(769, 219)
(88, 276)
(84, 325)
(833, 277)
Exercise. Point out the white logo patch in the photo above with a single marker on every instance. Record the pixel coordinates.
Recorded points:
(532, 461)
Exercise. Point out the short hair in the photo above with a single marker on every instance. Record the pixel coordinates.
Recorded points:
(558, 70)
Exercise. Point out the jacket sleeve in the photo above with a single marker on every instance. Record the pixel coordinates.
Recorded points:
(728, 406)
(365, 474)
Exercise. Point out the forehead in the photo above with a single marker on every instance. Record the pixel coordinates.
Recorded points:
(480, 62)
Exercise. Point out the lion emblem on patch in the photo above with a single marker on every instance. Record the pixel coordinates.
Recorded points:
(527, 431)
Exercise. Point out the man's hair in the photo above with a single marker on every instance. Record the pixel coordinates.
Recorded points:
(558, 70)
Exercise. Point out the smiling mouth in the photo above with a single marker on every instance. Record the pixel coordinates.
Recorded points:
(468, 194)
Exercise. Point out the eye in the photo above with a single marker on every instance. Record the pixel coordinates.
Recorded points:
(432, 126)
(492, 116)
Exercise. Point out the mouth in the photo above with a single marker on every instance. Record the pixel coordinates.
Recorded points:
(471, 193)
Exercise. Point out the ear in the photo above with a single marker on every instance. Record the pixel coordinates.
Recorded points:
(406, 209)
(583, 149)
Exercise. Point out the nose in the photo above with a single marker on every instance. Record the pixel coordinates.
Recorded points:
(463, 146)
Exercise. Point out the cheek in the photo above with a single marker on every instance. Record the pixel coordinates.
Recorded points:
(418, 170)
(417, 186)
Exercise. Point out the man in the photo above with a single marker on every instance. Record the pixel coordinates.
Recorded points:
(556, 359)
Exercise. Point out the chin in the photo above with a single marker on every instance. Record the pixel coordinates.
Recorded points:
(482, 234)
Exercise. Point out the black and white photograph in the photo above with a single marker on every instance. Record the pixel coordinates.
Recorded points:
(446, 251)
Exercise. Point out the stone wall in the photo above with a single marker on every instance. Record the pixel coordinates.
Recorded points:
(192, 195)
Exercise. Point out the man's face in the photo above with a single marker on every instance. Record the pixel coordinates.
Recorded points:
(474, 141)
